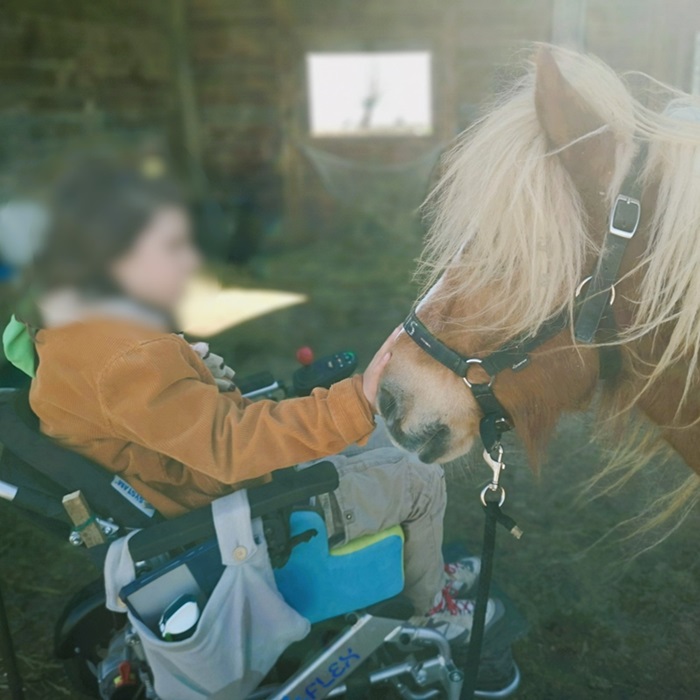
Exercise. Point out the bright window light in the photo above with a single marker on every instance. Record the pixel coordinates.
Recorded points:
(209, 308)
(370, 93)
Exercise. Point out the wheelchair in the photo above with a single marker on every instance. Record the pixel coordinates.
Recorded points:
(361, 643)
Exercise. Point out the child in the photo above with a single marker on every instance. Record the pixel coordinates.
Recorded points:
(115, 383)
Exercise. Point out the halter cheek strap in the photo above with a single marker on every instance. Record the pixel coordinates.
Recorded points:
(593, 312)
(594, 320)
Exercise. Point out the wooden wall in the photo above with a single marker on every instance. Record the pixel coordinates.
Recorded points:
(466, 39)
(653, 36)
(72, 68)
(77, 70)
(249, 58)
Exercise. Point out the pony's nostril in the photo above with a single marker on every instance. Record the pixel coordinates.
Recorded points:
(387, 404)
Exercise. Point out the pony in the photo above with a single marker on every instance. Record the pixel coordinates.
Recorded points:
(518, 218)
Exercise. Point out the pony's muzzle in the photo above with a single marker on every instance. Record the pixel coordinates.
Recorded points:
(388, 405)
(429, 442)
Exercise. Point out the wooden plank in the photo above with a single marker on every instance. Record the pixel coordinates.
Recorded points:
(83, 519)
(187, 99)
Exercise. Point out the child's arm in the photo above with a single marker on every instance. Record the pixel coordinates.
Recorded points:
(155, 396)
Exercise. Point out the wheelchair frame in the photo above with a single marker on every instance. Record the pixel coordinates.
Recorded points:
(335, 671)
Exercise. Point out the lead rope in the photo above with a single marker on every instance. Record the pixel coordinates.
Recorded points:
(492, 497)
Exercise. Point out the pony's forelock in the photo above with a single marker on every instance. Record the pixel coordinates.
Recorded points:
(506, 213)
(505, 210)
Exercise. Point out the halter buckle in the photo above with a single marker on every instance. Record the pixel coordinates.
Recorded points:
(625, 215)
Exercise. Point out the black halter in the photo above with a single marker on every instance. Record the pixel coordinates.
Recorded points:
(594, 320)
(514, 356)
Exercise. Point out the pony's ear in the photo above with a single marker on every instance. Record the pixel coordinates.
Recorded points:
(565, 117)
(561, 111)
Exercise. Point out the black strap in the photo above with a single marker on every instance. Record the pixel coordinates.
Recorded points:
(493, 516)
(622, 226)
(513, 355)
(597, 300)
(495, 420)
(609, 356)
(419, 333)
(476, 639)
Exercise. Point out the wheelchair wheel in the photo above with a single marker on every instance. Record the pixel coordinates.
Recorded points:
(82, 636)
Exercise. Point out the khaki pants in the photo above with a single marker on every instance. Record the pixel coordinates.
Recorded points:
(382, 486)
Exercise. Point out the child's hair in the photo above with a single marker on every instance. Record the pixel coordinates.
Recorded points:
(96, 211)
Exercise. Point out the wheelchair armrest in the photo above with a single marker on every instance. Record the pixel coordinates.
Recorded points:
(289, 487)
(257, 385)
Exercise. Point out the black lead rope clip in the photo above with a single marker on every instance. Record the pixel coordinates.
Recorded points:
(492, 426)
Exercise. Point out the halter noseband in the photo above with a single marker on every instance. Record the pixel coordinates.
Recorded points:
(515, 356)
(594, 320)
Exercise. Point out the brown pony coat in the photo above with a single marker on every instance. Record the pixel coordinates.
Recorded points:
(474, 321)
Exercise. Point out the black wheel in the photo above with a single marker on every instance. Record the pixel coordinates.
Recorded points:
(81, 676)
(83, 633)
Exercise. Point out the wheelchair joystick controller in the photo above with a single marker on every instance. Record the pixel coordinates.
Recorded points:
(305, 355)
(323, 372)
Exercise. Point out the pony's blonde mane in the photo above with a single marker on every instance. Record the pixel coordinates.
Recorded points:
(505, 213)
(506, 216)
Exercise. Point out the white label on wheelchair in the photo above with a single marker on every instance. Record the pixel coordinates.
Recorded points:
(133, 496)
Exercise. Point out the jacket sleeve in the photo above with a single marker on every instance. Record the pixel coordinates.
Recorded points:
(155, 396)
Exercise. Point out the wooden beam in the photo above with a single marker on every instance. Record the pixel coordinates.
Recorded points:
(188, 113)
(289, 54)
(83, 519)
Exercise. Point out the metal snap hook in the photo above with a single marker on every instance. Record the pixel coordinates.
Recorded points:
(497, 466)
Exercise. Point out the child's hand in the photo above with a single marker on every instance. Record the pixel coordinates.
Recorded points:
(373, 373)
(222, 373)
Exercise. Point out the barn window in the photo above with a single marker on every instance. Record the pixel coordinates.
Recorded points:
(370, 94)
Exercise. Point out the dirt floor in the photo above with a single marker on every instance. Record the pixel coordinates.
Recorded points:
(604, 622)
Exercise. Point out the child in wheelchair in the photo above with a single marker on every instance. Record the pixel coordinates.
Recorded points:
(114, 382)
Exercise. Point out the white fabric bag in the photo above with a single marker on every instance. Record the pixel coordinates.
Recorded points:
(243, 628)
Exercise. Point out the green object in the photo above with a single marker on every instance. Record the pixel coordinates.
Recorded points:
(361, 543)
(19, 347)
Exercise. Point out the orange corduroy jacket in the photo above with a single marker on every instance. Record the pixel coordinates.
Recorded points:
(142, 403)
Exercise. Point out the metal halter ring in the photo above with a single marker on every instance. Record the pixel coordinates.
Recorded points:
(585, 281)
(488, 489)
(475, 361)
